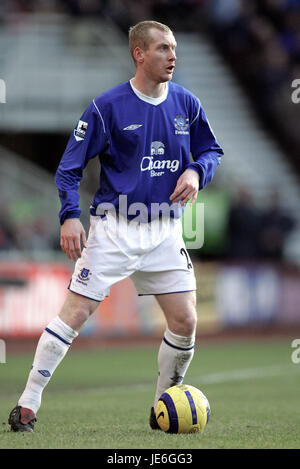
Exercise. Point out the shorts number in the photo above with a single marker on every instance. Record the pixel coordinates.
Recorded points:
(183, 252)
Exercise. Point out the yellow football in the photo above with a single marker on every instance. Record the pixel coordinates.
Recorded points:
(182, 409)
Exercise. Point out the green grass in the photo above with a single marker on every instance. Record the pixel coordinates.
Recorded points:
(101, 399)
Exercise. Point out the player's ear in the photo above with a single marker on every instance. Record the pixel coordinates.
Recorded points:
(138, 55)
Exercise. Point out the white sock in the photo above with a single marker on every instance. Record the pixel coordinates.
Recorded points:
(51, 349)
(174, 356)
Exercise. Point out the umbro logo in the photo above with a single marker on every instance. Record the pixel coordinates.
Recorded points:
(133, 127)
(45, 373)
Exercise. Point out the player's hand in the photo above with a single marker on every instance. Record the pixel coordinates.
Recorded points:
(72, 237)
(187, 188)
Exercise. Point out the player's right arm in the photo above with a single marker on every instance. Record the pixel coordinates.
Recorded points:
(87, 140)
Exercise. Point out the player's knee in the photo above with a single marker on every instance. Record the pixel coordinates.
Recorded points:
(81, 315)
(77, 310)
(189, 324)
(184, 325)
(74, 318)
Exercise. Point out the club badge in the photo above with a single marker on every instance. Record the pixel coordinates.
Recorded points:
(181, 124)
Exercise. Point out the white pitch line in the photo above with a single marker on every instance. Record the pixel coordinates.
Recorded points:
(243, 374)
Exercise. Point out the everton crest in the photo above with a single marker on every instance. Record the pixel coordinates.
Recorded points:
(181, 124)
(84, 274)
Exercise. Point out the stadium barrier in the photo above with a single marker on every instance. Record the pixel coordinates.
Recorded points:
(228, 295)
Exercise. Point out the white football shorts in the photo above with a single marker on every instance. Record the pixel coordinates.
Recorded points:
(152, 254)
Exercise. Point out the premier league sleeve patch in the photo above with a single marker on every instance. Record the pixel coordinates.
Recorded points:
(80, 131)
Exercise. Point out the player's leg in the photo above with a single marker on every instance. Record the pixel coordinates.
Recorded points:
(101, 264)
(167, 273)
(51, 349)
(177, 348)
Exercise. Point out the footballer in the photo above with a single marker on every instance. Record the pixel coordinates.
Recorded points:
(143, 132)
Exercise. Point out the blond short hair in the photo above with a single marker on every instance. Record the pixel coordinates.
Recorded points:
(139, 34)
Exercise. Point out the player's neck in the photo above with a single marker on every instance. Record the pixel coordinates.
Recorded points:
(149, 88)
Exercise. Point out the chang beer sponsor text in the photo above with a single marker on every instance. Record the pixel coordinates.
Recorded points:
(155, 163)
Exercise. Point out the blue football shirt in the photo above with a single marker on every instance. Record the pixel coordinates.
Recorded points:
(143, 146)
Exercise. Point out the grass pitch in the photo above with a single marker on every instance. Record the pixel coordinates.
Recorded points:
(102, 399)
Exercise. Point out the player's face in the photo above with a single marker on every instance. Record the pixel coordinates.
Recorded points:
(159, 58)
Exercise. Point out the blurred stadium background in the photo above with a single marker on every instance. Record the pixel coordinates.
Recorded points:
(240, 58)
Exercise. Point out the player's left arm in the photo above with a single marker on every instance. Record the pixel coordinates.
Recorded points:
(206, 153)
(187, 187)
